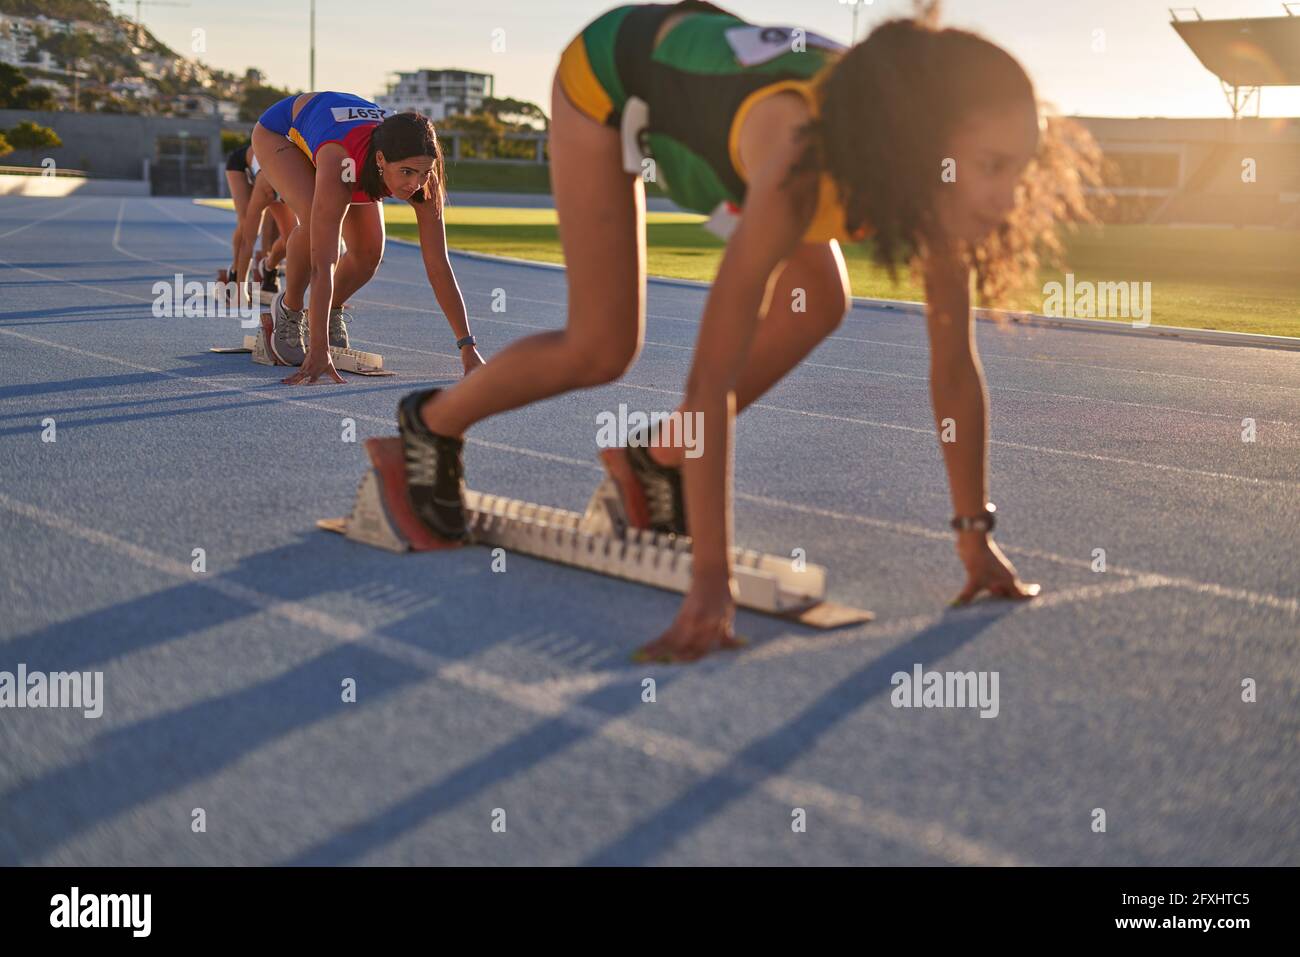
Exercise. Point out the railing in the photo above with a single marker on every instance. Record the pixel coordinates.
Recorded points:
(44, 171)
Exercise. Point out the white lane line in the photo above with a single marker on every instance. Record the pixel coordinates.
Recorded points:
(930, 837)
(44, 219)
(1005, 443)
(885, 313)
(1288, 605)
(880, 342)
(1208, 588)
(871, 634)
(1239, 594)
(809, 363)
(193, 225)
(277, 395)
(798, 645)
(1082, 365)
(929, 432)
(688, 349)
(34, 202)
(117, 244)
(996, 390)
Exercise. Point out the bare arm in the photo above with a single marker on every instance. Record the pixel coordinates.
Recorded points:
(433, 249)
(767, 233)
(957, 391)
(251, 224)
(329, 206)
(960, 401)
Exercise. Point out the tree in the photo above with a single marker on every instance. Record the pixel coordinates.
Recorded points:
(11, 81)
(257, 99)
(16, 93)
(516, 113)
(71, 48)
(231, 140)
(36, 97)
(32, 136)
(5, 148)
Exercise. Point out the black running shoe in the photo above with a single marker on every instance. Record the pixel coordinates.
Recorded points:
(435, 471)
(270, 281)
(665, 504)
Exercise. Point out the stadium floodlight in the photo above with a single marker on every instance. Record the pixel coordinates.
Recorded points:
(1245, 54)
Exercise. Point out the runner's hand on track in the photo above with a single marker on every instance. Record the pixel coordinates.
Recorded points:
(987, 569)
(312, 368)
(703, 624)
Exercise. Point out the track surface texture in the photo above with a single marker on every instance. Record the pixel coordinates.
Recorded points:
(511, 696)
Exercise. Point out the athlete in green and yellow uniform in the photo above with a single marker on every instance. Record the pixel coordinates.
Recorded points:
(698, 85)
(808, 145)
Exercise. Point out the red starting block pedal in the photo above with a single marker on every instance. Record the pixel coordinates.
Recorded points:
(382, 514)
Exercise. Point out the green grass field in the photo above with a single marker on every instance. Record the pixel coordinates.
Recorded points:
(478, 176)
(1228, 279)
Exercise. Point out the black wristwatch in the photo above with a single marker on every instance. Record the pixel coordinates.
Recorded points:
(984, 522)
(467, 341)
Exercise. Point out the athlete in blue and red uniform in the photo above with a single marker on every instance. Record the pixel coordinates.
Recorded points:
(334, 157)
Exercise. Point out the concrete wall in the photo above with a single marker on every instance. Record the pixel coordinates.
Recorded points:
(113, 144)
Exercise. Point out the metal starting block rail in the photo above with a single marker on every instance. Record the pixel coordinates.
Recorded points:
(597, 540)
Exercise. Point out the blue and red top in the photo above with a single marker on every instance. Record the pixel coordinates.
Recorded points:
(329, 117)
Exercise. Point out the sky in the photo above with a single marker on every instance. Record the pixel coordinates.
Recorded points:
(1135, 66)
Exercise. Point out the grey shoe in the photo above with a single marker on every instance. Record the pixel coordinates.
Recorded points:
(340, 316)
(287, 340)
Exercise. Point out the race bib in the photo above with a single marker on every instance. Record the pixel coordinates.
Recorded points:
(351, 114)
(725, 219)
(754, 45)
(632, 131)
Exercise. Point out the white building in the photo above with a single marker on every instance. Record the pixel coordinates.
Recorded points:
(133, 88)
(438, 93)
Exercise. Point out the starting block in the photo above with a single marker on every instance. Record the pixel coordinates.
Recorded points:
(596, 540)
(345, 360)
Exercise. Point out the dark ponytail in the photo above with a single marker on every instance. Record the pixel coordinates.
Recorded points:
(399, 137)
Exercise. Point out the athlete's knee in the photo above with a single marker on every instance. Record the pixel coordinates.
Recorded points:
(367, 261)
(596, 363)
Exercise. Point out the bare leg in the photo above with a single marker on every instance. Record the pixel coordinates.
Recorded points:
(239, 193)
(294, 178)
(363, 234)
(601, 210)
(785, 336)
(269, 233)
(285, 224)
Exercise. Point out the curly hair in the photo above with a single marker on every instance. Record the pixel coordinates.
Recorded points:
(402, 136)
(889, 109)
